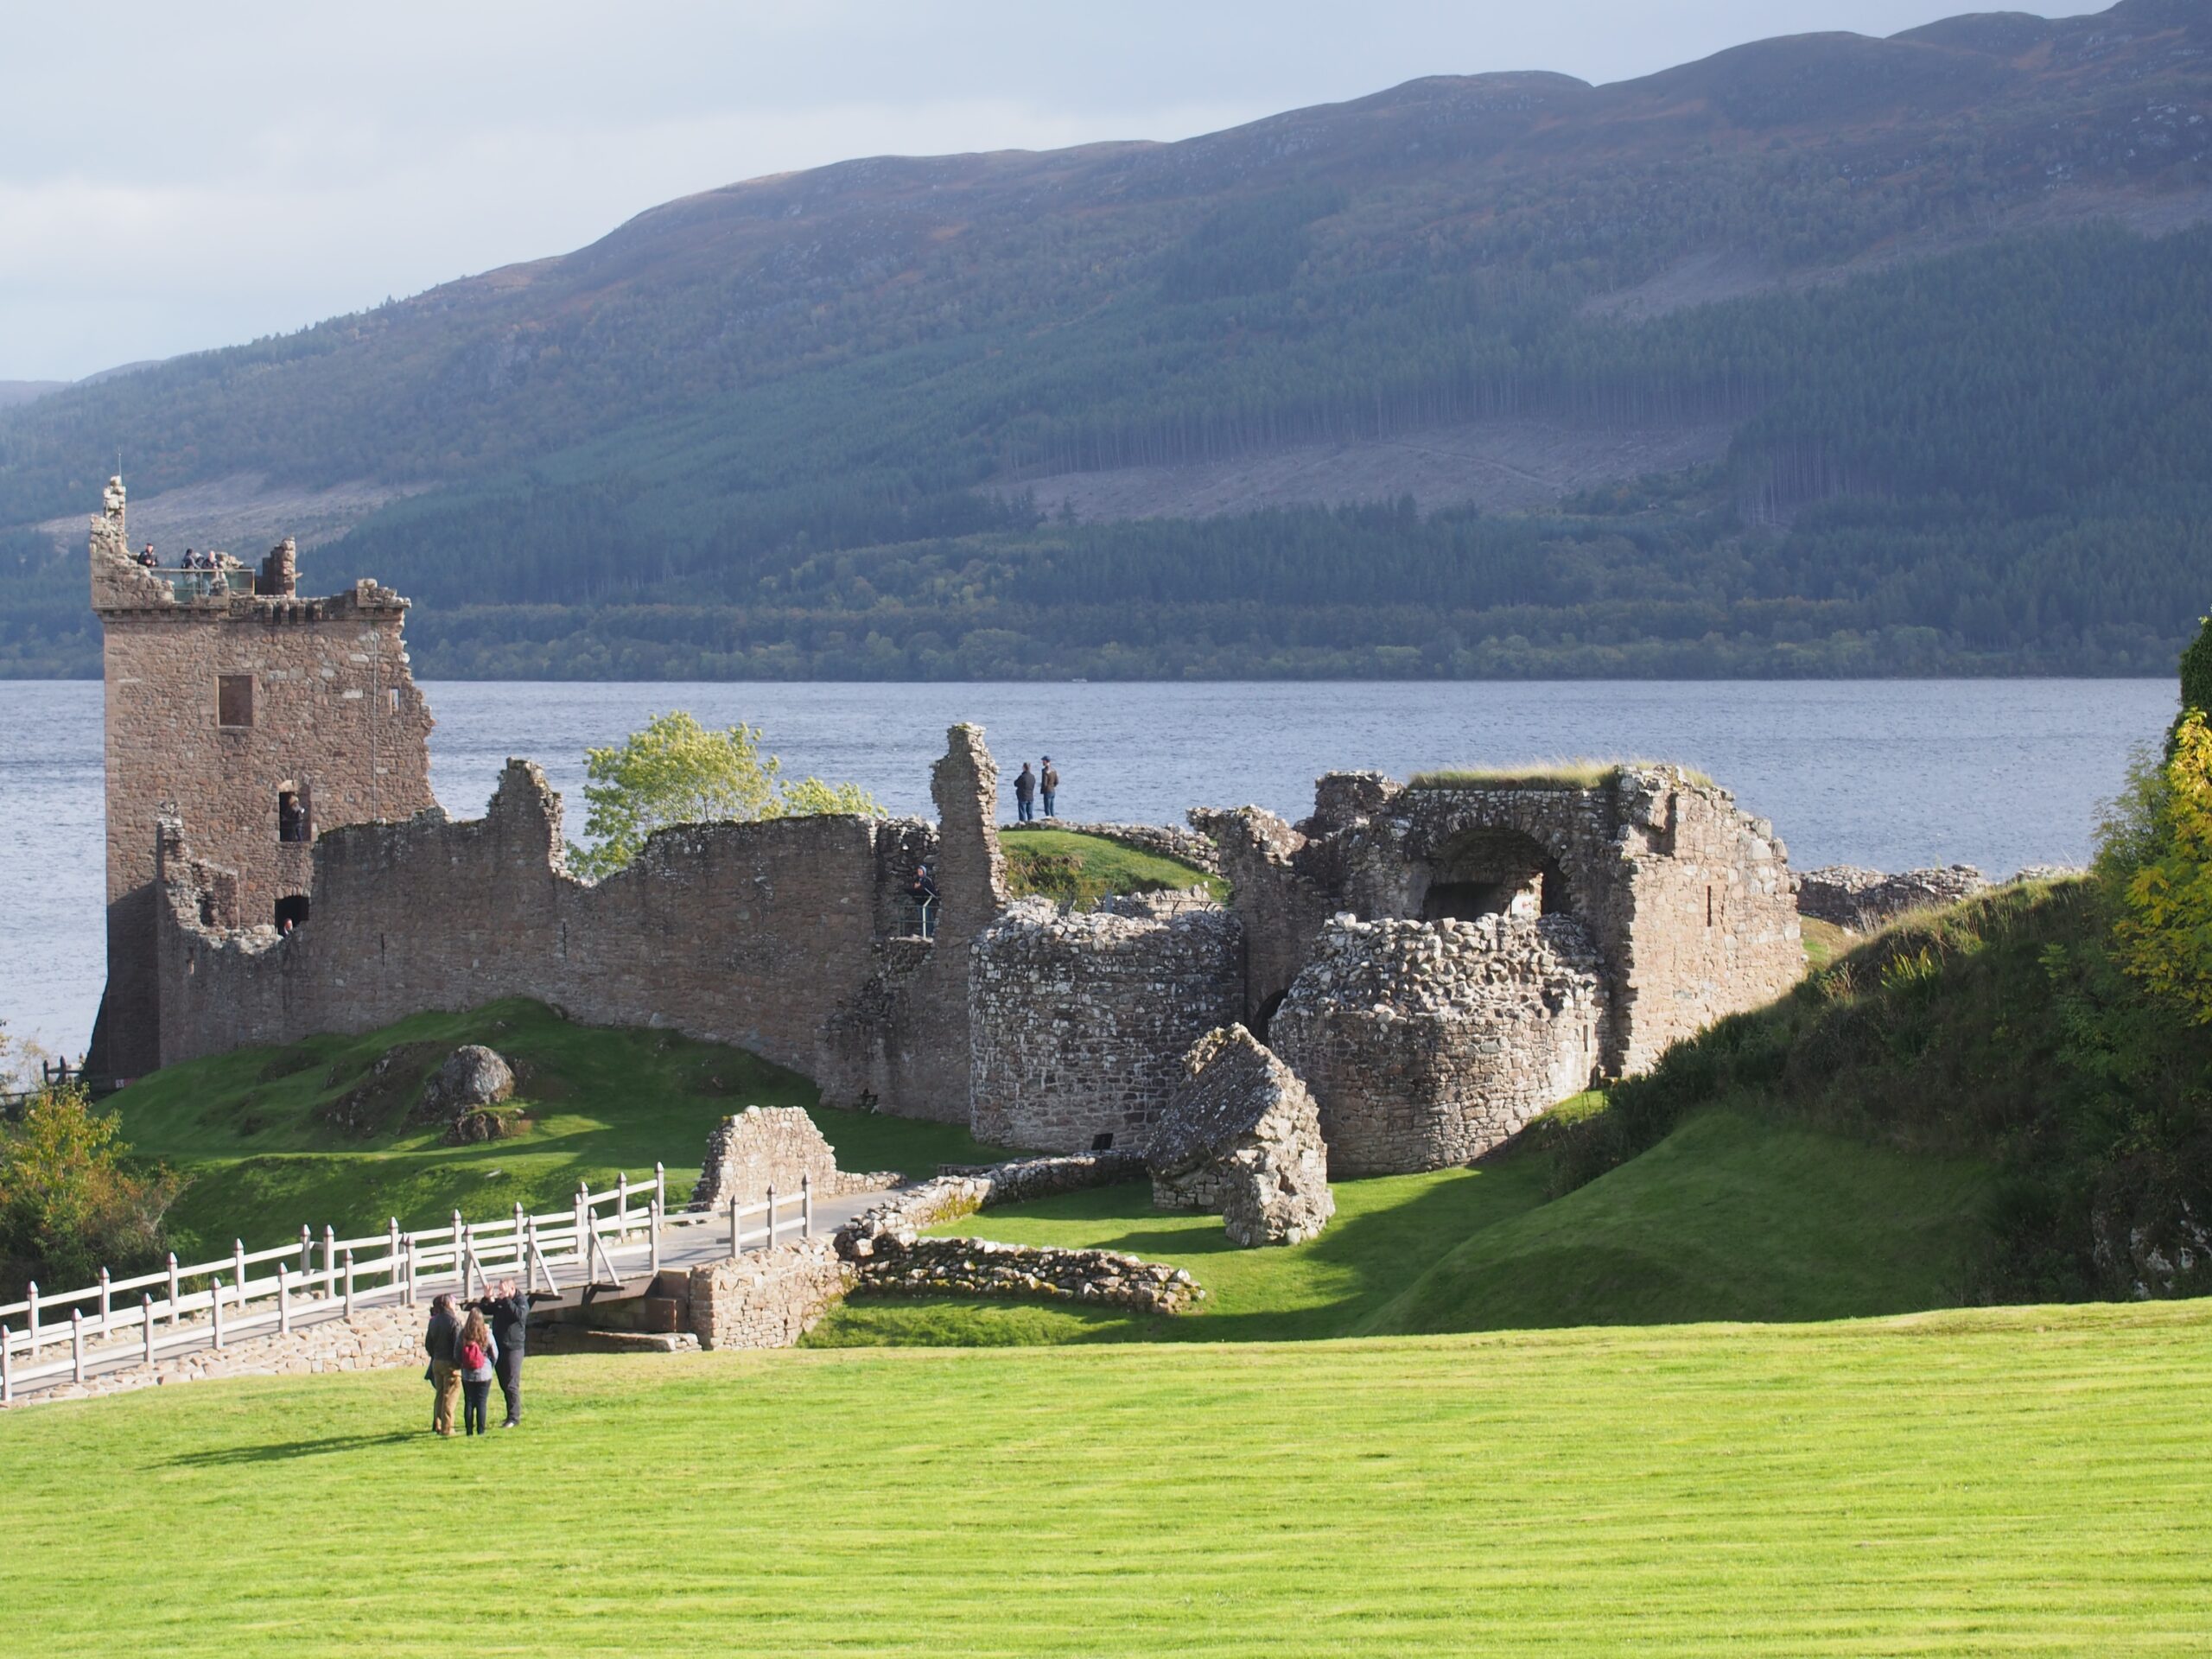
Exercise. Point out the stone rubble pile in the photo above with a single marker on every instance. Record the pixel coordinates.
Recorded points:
(958, 1191)
(1243, 1136)
(980, 1266)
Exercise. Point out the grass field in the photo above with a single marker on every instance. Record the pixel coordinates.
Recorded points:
(250, 1127)
(1079, 870)
(1731, 1217)
(2017, 1480)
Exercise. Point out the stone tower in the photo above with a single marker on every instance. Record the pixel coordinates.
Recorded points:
(252, 720)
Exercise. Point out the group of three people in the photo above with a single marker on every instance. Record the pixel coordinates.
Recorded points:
(1028, 785)
(467, 1353)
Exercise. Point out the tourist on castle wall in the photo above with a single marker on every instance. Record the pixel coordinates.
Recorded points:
(477, 1361)
(1051, 781)
(923, 890)
(440, 1341)
(1025, 794)
(510, 1315)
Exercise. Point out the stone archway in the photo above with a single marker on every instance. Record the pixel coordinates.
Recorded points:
(1491, 870)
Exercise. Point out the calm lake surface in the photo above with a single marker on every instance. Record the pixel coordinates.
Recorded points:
(1889, 773)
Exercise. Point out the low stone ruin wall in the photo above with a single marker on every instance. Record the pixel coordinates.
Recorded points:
(1161, 840)
(1427, 1043)
(958, 1191)
(768, 1298)
(1863, 900)
(377, 1338)
(776, 1146)
(980, 1267)
(1078, 1022)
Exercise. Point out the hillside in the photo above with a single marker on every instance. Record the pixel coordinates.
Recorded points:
(870, 420)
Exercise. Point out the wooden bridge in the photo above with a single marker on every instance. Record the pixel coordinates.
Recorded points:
(606, 1245)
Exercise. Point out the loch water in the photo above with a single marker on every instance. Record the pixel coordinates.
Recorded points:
(1889, 773)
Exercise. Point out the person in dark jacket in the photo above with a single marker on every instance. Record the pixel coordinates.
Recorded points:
(440, 1340)
(923, 891)
(1025, 794)
(509, 1313)
(1050, 785)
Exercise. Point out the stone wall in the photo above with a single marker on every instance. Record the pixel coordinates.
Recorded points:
(1426, 1044)
(373, 1339)
(900, 1218)
(763, 1147)
(1078, 1022)
(1863, 900)
(333, 718)
(768, 1298)
(980, 1266)
(769, 936)
(1686, 899)
(1243, 1138)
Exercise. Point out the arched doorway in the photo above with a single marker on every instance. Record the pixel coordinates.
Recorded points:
(291, 912)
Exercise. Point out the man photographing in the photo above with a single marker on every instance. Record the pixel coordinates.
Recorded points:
(509, 1313)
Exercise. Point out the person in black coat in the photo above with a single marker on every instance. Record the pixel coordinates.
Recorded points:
(509, 1315)
(440, 1340)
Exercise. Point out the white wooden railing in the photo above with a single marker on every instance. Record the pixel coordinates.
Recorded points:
(211, 1304)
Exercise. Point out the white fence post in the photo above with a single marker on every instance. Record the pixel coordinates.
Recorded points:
(329, 1262)
(806, 1206)
(285, 1301)
(392, 1249)
(103, 1306)
(173, 1315)
(146, 1309)
(215, 1308)
(7, 1366)
(652, 1219)
(76, 1345)
(622, 1204)
(238, 1265)
(349, 1281)
(771, 1215)
(520, 1216)
(583, 1222)
(406, 1271)
(30, 1294)
(306, 1251)
(660, 1187)
(460, 1258)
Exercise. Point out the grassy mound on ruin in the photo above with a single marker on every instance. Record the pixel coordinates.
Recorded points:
(1071, 869)
(320, 1131)
(1991, 1481)
(1577, 774)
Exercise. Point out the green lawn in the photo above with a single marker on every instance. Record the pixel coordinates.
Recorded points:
(1731, 1217)
(2016, 1480)
(1079, 870)
(248, 1126)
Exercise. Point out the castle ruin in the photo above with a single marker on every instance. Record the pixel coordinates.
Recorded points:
(1436, 964)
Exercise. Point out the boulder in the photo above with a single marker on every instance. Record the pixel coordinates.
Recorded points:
(1243, 1136)
(474, 1075)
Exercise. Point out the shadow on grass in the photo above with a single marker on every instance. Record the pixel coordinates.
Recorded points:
(286, 1450)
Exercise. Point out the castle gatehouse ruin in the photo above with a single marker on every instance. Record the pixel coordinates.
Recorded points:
(1437, 964)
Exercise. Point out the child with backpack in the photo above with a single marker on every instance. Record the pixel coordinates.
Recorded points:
(478, 1357)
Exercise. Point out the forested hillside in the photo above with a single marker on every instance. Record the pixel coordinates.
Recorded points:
(801, 426)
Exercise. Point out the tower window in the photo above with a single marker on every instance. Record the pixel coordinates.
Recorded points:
(291, 912)
(292, 817)
(234, 700)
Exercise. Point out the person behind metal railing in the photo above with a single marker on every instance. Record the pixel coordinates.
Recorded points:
(146, 556)
(923, 891)
(440, 1341)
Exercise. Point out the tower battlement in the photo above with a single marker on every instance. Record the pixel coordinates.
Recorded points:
(249, 718)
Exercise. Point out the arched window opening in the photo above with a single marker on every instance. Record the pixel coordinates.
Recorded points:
(293, 820)
(1494, 872)
(291, 912)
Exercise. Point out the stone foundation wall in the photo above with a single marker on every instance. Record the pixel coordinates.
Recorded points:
(1077, 1023)
(768, 1298)
(761, 1148)
(980, 1267)
(373, 1339)
(1427, 1044)
(957, 1191)
(1865, 900)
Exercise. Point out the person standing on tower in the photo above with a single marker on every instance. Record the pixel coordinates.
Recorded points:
(1049, 781)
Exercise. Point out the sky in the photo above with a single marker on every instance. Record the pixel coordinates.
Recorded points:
(174, 178)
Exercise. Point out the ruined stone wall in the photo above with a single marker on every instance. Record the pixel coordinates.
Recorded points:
(759, 1147)
(333, 717)
(1079, 1022)
(768, 1298)
(1686, 899)
(762, 934)
(1427, 1043)
(1863, 900)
